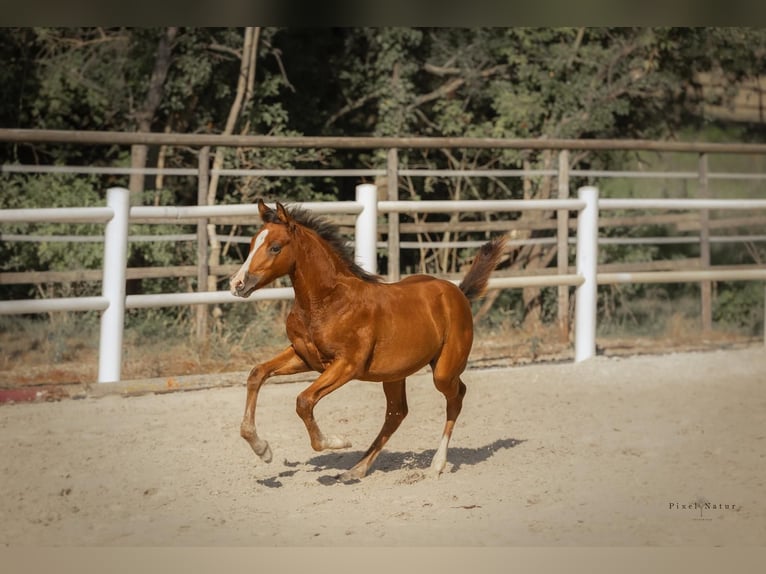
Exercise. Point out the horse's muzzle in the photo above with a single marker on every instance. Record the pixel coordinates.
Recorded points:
(243, 287)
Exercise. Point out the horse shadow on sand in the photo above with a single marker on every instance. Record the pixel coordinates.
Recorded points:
(417, 463)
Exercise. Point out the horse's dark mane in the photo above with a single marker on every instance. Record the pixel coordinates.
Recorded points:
(330, 235)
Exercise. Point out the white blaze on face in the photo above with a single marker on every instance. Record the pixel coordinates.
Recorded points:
(242, 273)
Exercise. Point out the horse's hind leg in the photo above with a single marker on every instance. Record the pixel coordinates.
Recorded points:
(396, 410)
(286, 363)
(446, 372)
(454, 406)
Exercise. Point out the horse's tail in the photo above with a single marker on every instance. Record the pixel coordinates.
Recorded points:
(474, 284)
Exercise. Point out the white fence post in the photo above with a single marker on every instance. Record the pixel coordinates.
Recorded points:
(113, 286)
(587, 267)
(366, 233)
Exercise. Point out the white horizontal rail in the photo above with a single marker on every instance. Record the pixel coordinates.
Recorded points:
(57, 215)
(99, 238)
(201, 211)
(573, 240)
(571, 280)
(734, 176)
(477, 172)
(29, 306)
(20, 307)
(204, 298)
(737, 238)
(245, 239)
(479, 205)
(734, 204)
(663, 174)
(634, 174)
(682, 276)
(679, 240)
(467, 244)
(470, 244)
(647, 240)
(298, 172)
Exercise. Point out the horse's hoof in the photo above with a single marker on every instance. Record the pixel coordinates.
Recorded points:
(336, 443)
(349, 477)
(437, 467)
(263, 450)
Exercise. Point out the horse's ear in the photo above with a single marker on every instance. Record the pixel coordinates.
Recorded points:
(282, 214)
(264, 210)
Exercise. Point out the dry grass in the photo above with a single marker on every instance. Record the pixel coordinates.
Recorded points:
(38, 355)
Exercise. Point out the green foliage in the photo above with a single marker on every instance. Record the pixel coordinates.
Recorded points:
(740, 305)
(83, 76)
(24, 191)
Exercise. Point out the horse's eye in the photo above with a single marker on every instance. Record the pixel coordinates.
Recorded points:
(275, 248)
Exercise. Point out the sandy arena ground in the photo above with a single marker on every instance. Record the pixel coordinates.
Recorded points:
(613, 451)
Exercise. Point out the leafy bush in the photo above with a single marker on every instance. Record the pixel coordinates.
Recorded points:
(740, 305)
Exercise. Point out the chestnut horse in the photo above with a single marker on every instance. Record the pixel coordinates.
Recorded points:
(348, 324)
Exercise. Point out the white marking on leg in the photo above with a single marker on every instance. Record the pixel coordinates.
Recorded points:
(440, 458)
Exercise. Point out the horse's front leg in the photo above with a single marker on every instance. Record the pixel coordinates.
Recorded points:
(335, 376)
(286, 363)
